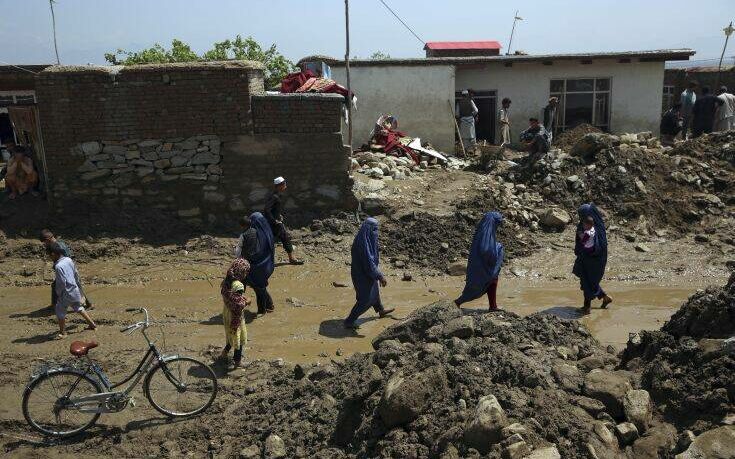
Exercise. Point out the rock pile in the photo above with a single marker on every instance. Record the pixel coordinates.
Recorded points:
(688, 365)
(387, 167)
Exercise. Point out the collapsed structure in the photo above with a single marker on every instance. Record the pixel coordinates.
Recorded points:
(194, 140)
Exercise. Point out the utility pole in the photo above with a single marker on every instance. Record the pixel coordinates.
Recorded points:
(728, 31)
(516, 18)
(53, 22)
(347, 73)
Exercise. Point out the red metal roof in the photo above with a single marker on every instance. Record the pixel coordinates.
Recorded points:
(462, 45)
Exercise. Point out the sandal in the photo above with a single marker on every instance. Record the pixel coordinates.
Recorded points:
(61, 336)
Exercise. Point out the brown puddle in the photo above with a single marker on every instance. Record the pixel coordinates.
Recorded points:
(313, 330)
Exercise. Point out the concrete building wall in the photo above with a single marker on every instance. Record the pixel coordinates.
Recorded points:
(179, 139)
(417, 95)
(635, 94)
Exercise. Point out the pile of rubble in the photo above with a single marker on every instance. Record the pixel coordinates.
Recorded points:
(383, 166)
(636, 180)
(688, 365)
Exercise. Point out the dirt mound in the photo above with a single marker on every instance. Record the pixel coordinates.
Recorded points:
(719, 145)
(432, 241)
(688, 365)
(567, 139)
(439, 384)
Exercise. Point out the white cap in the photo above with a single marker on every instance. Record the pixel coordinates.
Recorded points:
(278, 180)
(465, 92)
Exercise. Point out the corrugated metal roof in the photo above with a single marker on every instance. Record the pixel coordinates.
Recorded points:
(664, 54)
(461, 45)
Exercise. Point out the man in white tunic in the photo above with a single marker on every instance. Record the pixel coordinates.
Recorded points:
(726, 112)
(467, 111)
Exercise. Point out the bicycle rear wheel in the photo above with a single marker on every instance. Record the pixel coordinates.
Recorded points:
(181, 387)
(46, 405)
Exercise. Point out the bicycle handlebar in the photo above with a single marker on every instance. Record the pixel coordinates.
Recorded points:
(137, 325)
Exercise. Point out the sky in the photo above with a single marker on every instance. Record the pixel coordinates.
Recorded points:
(87, 29)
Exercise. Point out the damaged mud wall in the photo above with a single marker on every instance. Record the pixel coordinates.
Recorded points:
(199, 142)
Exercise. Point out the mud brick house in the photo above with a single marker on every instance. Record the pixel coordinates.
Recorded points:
(676, 81)
(201, 140)
(17, 88)
(616, 91)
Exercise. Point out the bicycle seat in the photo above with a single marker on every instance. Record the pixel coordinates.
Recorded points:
(80, 348)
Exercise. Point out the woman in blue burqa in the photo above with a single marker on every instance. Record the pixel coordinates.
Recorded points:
(590, 247)
(261, 263)
(366, 276)
(484, 262)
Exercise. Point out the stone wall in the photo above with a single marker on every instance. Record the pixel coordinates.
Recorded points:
(181, 139)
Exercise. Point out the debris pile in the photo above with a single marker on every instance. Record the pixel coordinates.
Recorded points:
(438, 242)
(636, 179)
(688, 365)
(567, 139)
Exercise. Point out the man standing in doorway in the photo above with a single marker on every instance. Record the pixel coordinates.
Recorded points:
(550, 117)
(505, 122)
(273, 214)
(726, 112)
(466, 111)
(688, 98)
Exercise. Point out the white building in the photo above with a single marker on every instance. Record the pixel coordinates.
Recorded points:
(616, 91)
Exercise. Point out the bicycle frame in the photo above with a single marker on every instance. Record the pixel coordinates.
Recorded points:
(96, 403)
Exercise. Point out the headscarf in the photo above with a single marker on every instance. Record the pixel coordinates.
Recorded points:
(238, 271)
(262, 262)
(485, 259)
(590, 210)
(365, 250)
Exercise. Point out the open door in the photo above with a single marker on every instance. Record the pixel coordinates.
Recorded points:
(27, 129)
(486, 102)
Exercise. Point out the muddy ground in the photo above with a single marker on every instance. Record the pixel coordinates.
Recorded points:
(651, 271)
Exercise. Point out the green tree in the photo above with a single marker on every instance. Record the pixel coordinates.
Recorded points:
(379, 55)
(276, 65)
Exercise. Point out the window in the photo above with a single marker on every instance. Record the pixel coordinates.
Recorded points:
(668, 99)
(582, 100)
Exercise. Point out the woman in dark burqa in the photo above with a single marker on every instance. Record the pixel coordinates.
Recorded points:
(262, 264)
(366, 276)
(590, 247)
(484, 262)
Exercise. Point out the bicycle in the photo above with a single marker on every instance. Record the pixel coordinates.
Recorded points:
(63, 400)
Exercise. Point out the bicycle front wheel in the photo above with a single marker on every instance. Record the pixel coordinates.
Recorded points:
(48, 403)
(181, 387)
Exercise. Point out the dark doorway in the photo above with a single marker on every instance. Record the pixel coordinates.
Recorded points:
(486, 102)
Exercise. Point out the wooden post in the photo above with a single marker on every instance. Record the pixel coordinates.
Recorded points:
(728, 31)
(459, 133)
(347, 73)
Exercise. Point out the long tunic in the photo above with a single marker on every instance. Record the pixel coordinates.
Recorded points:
(485, 259)
(67, 283)
(589, 266)
(365, 259)
(261, 264)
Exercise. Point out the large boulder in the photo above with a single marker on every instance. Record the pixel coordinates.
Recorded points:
(406, 397)
(556, 219)
(590, 145)
(274, 447)
(608, 387)
(545, 453)
(658, 442)
(486, 426)
(638, 408)
(413, 328)
(460, 327)
(717, 443)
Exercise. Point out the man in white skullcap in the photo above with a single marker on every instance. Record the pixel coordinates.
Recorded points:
(272, 213)
(466, 111)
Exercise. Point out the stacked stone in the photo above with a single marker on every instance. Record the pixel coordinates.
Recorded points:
(119, 162)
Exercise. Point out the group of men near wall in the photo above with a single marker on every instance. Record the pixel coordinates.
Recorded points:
(535, 139)
(695, 115)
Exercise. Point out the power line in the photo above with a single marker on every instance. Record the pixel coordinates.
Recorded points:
(402, 22)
